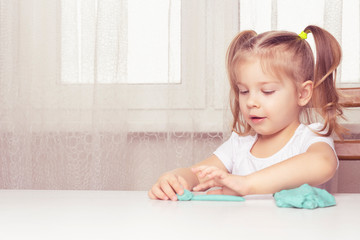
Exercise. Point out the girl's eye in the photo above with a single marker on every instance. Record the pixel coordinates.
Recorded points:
(268, 92)
(243, 92)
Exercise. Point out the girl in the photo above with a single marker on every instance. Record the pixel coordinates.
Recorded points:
(276, 88)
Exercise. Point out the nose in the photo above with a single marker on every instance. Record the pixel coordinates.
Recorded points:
(252, 101)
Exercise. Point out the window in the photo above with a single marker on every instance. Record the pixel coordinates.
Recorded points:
(350, 42)
(149, 41)
(152, 36)
(188, 88)
(175, 99)
(341, 18)
(141, 44)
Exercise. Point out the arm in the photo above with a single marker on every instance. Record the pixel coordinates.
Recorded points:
(315, 166)
(173, 182)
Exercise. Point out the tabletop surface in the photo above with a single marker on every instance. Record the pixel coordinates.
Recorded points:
(40, 214)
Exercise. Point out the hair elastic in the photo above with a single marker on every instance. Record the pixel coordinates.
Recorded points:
(303, 35)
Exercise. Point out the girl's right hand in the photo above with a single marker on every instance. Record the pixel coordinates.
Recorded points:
(167, 186)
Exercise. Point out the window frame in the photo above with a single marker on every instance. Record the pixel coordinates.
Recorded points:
(192, 105)
(198, 103)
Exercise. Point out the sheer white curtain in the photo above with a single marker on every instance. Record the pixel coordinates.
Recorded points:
(71, 119)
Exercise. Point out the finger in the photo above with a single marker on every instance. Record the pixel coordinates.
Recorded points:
(184, 185)
(198, 168)
(208, 171)
(151, 195)
(222, 191)
(203, 172)
(220, 174)
(216, 192)
(158, 193)
(205, 185)
(214, 174)
(177, 184)
(168, 190)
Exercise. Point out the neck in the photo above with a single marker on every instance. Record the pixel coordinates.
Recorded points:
(285, 133)
(267, 145)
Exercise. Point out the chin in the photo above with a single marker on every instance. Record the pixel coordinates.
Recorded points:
(264, 132)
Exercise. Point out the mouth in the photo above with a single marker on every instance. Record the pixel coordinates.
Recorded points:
(256, 119)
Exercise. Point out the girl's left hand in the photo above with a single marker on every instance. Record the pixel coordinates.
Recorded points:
(214, 177)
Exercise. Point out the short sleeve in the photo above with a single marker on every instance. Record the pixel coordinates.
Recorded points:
(314, 138)
(327, 140)
(225, 151)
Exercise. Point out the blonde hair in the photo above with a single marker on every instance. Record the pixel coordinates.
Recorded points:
(286, 54)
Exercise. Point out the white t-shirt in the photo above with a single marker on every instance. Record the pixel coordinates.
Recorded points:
(236, 156)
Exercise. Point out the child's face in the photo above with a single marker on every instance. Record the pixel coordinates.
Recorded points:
(269, 105)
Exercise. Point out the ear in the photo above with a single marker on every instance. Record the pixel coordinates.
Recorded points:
(305, 93)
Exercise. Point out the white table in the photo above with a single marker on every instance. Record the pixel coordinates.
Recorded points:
(30, 214)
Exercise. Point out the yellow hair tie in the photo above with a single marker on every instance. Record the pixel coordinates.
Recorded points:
(303, 35)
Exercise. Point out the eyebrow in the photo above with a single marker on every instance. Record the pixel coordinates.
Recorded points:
(260, 83)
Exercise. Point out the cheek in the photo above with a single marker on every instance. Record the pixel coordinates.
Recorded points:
(243, 107)
(283, 105)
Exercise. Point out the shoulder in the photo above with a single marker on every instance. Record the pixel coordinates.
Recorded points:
(315, 126)
(312, 130)
(310, 134)
(313, 141)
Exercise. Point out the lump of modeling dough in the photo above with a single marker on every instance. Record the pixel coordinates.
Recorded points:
(187, 196)
(304, 196)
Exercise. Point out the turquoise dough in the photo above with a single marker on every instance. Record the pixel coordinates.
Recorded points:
(304, 196)
(187, 196)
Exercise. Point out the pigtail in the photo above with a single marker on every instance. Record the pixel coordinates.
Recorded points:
(243, 38)
(325, 96)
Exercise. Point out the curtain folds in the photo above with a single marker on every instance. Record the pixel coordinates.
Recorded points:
(69, 118)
